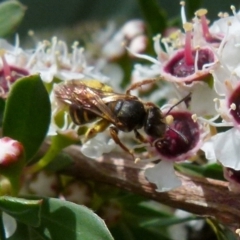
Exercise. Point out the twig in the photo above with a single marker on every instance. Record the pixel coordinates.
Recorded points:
(201, 196)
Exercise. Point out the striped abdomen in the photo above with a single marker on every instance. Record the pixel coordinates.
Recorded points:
(81, 116)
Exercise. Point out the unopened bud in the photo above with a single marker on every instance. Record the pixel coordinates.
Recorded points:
(10, 151)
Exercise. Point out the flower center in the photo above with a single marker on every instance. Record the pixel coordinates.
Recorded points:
(173, 144)
(235, 99)
(188, 61)
(179, 68)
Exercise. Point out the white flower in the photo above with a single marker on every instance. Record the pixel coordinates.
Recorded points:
(209, 150)
(225, 147)
(163, 175)
(202, 100)
(9, 224)
(44, 184)
(97, 146)
(52, 59)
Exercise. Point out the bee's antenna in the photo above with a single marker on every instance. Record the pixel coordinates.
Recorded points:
(170, 109)
(173, 106)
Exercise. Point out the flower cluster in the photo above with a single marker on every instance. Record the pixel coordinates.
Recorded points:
(204, 61)
(200, 62)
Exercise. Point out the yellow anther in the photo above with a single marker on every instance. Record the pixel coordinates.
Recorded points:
(233, 8)
(75, 44)
(157, 37)
(124, 44)
(2, 52)
(228, 85)
(169, 119)
(194, 117)
(220, 14)
(237, 231)
(137, 160)
(31, 33)
(182, 3)
(201, 12)
(233, 106)
(225, 15)
(187, 27)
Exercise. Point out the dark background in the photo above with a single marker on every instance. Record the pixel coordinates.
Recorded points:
(50, 14)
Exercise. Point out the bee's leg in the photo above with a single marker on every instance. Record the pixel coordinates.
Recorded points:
(140, 137)
(99, 126)
(114, 135)
(139, 84)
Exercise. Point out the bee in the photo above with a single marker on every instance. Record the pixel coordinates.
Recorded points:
(92, 101)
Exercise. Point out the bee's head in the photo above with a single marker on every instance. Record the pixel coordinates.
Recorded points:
(154, 125)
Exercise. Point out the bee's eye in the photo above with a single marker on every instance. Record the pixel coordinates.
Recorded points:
(154, 125)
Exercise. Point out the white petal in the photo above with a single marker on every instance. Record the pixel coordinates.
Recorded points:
(97, 146)
(231, 52)
(47, 76)
(163, 175)
(10, 224)
(5, 45)
(222, 26)
(66, 75)
(220, 74)
(227, 148)
(206, 107)
(209, 151)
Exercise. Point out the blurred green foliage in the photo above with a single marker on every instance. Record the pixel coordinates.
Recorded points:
(55, 13)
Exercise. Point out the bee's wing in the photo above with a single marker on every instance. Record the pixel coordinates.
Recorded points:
(89, 99)
(116, 97)
(96, 105)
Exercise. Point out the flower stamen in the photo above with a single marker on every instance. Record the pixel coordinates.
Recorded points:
(201, 13)
(188, 44)
(183, 13)
(233, 8)
(233, 107)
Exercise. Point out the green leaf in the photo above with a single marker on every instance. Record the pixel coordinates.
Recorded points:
(192, 7)
(221, 232)
(25, 232)
(154, 16)
(27, 114)
(125, 231)
(213, 170)
(2, 106)
(25, 211)
(66, 220)
(58, 142)
(166, 222)
(59, 163)
(11, 14)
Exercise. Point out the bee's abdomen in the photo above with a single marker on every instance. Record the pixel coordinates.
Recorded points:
(81, 116)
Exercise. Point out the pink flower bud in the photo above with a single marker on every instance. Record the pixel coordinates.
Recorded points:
(10, 151)
(138, 44)
(133, 28)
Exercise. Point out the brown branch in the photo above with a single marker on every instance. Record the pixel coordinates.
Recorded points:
(201, 196)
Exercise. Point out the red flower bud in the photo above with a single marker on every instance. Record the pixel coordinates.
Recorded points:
(10, 151)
